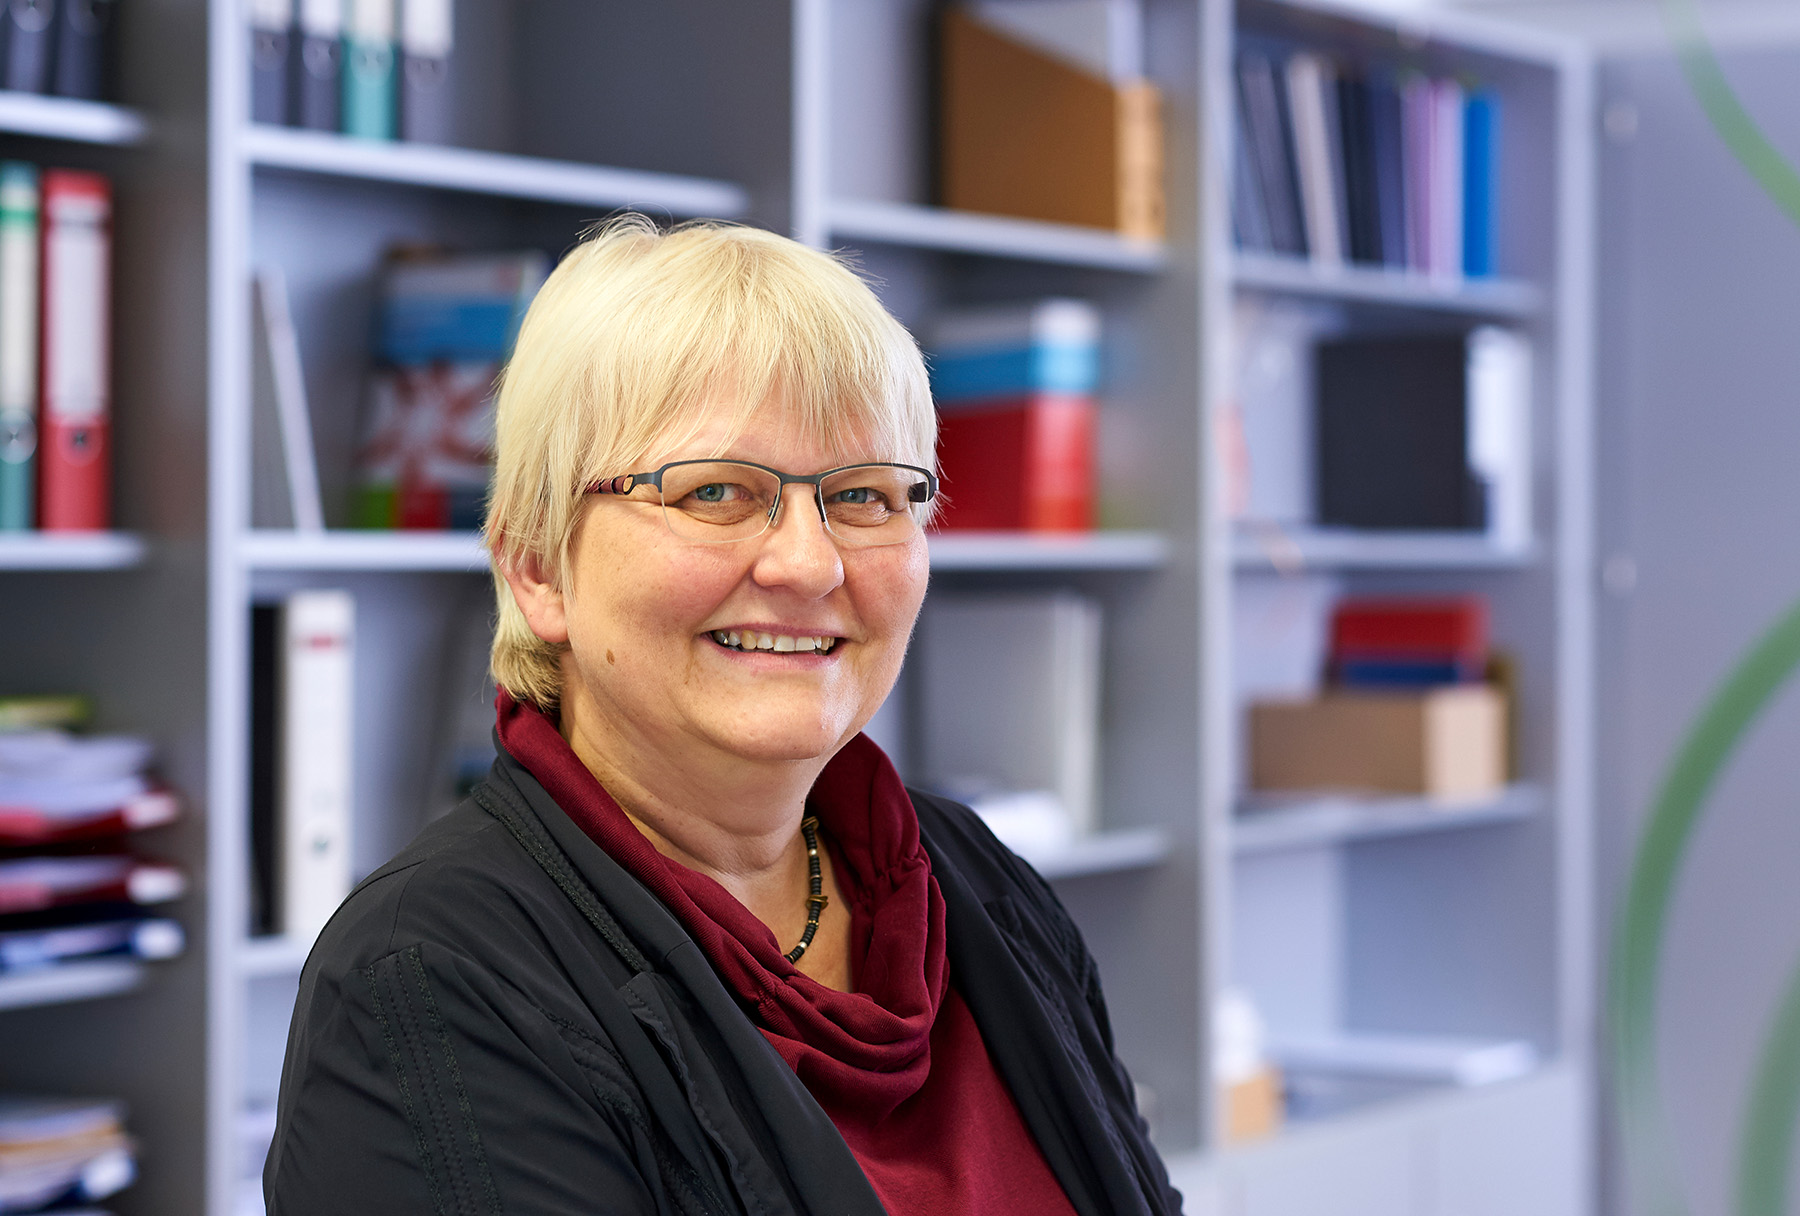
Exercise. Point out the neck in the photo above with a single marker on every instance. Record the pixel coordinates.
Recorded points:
(733, 819)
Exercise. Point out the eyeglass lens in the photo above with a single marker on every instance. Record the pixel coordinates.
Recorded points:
(723, 501)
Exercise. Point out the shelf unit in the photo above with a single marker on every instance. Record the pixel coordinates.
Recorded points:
(813, 118)
(117, 616)
(1394, 916)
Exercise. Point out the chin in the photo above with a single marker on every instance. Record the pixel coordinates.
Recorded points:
(796, 741)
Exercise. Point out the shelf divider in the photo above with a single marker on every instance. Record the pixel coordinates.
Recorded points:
(1104, 853)
(991, 235)
(70, 550)
(1503, 298)
(495, 173)
(87, 122)
(1270, 824)
(64, 982)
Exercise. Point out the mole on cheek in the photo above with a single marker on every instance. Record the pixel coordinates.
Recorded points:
(609, 657)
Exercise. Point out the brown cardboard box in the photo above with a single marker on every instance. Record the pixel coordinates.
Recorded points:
(1025, 134)
(1253, 1106)
(1447, 742)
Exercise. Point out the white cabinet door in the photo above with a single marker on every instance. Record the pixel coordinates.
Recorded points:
(1514, 1151)
(1362, 1169)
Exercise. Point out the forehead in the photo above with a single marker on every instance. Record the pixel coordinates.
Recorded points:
(775, 433)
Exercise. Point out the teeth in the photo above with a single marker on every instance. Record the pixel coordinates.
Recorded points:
(779, 644)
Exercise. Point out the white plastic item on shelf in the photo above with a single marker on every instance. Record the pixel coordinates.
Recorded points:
(318, 630)
(1499, 431)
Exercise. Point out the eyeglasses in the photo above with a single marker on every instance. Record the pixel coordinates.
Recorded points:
(720, 501)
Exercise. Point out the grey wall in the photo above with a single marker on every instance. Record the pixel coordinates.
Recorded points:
(1700, 539)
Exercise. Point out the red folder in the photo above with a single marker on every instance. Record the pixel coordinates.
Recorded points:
(1454, 628)
(1023, 463)
(75, 391)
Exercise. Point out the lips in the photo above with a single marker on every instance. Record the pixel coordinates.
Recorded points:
(748, 640)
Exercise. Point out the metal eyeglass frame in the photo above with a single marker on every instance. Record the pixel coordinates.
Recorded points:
(625, 483)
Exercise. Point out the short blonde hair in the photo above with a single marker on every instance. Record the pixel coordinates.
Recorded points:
(633, 335)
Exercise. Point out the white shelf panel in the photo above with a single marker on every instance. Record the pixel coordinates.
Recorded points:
(271, 956)
(1285, 549)
(88, 122)
(1268, 824)
(1104, 853)
(70, 550)
(964, 551)
(82, 981)
(363, 550)
(1509, 298)
(991, 235)
(494, 173)
(978, 551)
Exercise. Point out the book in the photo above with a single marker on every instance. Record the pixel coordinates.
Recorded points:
(1446, 179)
(427, 43)
(75, 373)
(302, 751)
(1263, 103)
(1009, 686)
(370, 70)
(1453, 628)
(86, 45)
(1029, 134)
(150, 938)
(1050, 345)
(296, 466)
(317, 69)
(1313, 100)
(56, 787)
(1417, 153)
(1024, 463)
(1249, 212)
(1391, 434)
(1446, 743)
(28, 36)
(18, 345)
(1357, 148)
(446, 324)
(1481, 158)
(271, 29)
(44, 713)
(1388, 156)
(34, 884)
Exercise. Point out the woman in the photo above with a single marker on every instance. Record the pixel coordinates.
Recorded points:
(692, 947)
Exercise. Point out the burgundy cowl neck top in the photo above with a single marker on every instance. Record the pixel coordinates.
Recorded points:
(899, 1065)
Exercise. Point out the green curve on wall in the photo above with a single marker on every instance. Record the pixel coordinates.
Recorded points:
(1637, 944)
(1773, 1109)
(1771, 1114)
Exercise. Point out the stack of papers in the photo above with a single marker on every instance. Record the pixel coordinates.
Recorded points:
(55, 1150)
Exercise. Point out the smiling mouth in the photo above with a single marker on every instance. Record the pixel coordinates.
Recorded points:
(778, 643)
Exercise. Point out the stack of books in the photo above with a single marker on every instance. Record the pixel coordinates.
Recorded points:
(1410, 710)
(445, 327)
(71, 888)
(66, 49)
(1340, 164)
(55, 359)
(1015, 391)
(376, 69)
(62, 1152)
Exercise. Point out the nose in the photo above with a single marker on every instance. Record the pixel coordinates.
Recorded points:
(797, 552)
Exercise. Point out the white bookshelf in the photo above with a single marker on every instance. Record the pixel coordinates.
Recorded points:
(66, 982)
(492, 173)
(87, 122)
(937, 228)
(817, 124)
(1400, 917)
(71, 550)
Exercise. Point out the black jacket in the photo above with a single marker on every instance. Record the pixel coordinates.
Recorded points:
(502, 1019)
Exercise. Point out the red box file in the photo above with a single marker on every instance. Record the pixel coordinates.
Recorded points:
(1451, 629)
(75, 390)
(1024, 463)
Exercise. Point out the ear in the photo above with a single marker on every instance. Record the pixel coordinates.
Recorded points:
(543, 605)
